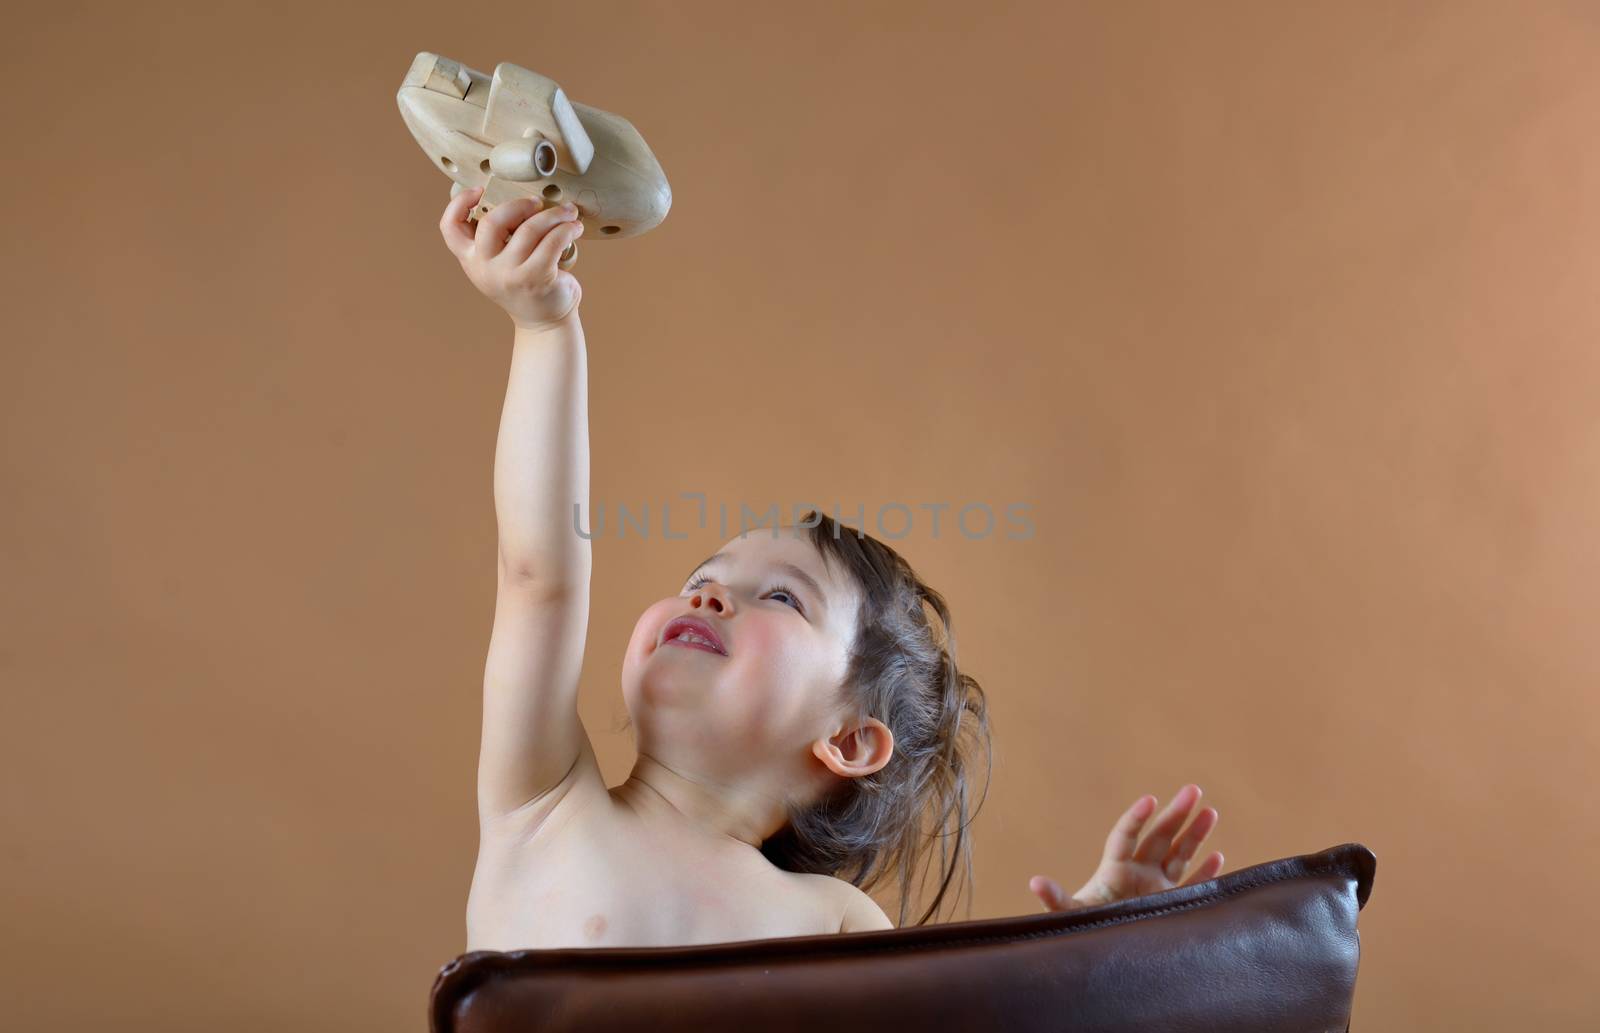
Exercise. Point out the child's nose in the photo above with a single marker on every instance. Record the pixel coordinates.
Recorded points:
(710, 596)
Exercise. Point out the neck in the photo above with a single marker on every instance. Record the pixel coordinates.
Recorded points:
(736, 816)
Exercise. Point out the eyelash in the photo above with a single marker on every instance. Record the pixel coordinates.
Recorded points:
(696, 582)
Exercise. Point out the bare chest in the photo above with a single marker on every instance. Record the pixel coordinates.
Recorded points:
(600, 879)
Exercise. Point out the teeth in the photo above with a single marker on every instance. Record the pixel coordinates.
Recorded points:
(689, 636)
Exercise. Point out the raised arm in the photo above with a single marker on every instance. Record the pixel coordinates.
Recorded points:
(541, 457)
(532, 736)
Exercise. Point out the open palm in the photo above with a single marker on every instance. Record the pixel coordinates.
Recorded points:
(1134, 867)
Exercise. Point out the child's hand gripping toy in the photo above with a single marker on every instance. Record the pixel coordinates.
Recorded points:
(517, 136)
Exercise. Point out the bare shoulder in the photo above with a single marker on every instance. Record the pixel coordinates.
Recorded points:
(858, 911)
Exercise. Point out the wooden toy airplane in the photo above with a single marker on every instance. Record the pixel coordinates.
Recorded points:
(518, 135)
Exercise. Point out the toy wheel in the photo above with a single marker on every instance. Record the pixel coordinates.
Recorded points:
(523, 160)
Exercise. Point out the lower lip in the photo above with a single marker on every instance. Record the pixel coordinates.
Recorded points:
(691, 645)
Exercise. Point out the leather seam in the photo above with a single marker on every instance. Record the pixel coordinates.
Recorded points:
(1102, 923)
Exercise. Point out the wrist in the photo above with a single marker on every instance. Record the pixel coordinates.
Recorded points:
(546, 326)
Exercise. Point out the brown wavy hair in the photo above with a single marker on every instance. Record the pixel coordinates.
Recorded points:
(901, 670)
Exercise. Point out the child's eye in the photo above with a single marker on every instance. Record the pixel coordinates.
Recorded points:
(777, 589)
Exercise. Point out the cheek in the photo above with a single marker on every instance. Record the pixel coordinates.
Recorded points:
(760, 641)
(768, 656)
(771, 674)
(643, 640)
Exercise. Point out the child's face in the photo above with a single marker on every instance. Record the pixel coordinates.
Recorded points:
(758, 708)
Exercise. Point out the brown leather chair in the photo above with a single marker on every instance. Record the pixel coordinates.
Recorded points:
(1270, 947)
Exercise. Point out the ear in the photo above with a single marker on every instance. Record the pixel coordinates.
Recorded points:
(857, 751)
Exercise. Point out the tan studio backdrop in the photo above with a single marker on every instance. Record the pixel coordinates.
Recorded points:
(1279, 319)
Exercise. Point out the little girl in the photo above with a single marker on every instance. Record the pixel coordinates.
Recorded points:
(797, 705)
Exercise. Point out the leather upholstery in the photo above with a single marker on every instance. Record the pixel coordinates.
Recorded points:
(1269, 947)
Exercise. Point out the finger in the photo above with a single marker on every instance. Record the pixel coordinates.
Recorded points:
(457, 231)
(1208, 870)
(1049, 892)
(533, 229)
(1188, 843)
(1125, 833)
(496, 227)
(544, 256)
(1159, 839)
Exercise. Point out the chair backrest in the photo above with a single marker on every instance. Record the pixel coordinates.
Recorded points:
(1269, 947)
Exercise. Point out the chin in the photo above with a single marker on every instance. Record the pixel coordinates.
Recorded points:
(651, 688)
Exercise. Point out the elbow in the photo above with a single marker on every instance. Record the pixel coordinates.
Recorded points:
(555, 578)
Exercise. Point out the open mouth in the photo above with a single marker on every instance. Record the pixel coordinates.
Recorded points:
(693, 633)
